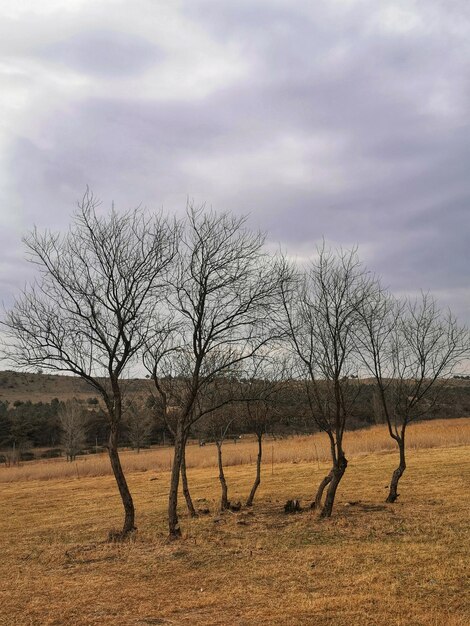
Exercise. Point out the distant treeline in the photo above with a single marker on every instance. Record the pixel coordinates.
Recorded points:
(25, 425)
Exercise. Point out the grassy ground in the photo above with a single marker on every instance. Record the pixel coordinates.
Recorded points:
(371, 564)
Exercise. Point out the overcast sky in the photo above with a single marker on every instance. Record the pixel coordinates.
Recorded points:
(342, 119)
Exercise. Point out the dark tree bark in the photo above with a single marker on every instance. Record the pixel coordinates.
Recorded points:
(184, 480)
(224, 503)
(173, 522)
(337, 474)
(129, 512)
(398, 473)
(316, 504)
(251, 497)
(114, 408)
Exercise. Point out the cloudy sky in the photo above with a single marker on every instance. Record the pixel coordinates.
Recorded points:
(342, 119)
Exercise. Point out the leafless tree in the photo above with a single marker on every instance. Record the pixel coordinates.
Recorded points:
(225, 289)
(262, 404)
(73, 420)
(216, 427)
(163, 358)
(139, 422)
(321, 315)
(411, 349)
(91, 306)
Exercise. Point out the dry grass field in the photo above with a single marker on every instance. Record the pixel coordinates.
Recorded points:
(308, 449)
(371, 564)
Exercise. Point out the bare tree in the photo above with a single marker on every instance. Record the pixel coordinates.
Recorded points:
(216, 427)
(139, 423)
(225, 289)
(321, 316)
(89, 311)
(73, 420)
(411, 349)
(162, 358)
(262, 405)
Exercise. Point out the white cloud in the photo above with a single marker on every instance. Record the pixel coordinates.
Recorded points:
(287, 159)
(399, 18)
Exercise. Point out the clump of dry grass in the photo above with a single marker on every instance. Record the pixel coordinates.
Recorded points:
(310, 449)
(370, 565)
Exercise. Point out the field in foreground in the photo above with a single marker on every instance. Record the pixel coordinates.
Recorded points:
(370, 565)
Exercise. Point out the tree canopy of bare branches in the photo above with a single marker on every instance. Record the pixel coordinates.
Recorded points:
(90, 309)
(411, 348)
(139, 421)
(321, 316)
(73, 421)
(225, 287)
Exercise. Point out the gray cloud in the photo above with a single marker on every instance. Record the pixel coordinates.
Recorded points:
(347, 120)
(102, 52)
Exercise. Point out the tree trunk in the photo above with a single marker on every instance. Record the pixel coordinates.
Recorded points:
(184, 480)
(224, 503)
(173, 524)
(398, 473)
(129, 512)
(251, 497)
(337, 474)
(316, 504)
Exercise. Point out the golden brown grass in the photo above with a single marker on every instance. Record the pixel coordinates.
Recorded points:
(438, 433)
(370, 565)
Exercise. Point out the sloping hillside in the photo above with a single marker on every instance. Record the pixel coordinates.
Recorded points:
(44, 387)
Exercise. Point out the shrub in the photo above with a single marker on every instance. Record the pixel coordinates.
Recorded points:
(53, 453)
(27, 456)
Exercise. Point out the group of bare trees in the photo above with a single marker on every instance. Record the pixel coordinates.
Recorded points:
(340, 323)
(203, 306)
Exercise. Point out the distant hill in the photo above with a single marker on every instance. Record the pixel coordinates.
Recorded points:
(34, 387)
(44, 387)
